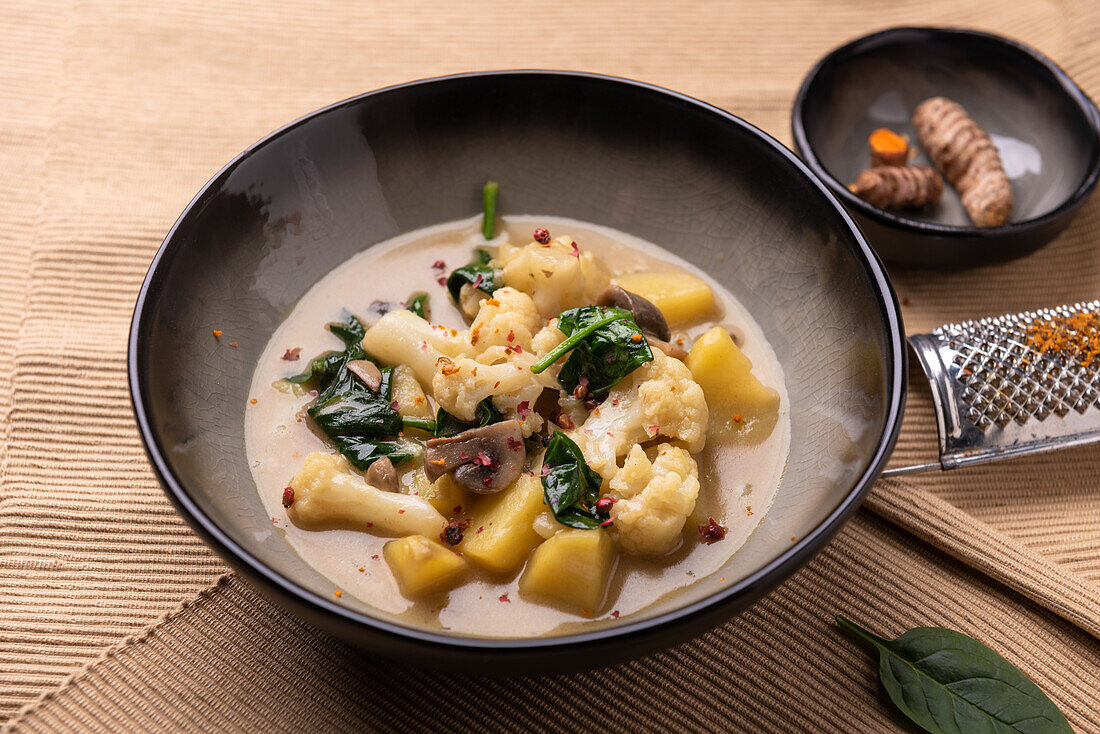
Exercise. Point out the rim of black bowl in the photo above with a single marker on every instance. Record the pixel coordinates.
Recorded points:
(917, 33)
(761, 580)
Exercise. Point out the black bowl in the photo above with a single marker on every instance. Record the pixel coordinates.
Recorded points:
(654, 163)
(1047, 130)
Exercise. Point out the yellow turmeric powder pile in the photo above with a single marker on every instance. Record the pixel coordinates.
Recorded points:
(965, 153)
(898, 187)
(1076, 336)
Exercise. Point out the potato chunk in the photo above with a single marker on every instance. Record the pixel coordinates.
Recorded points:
(325, 495)
(443, 494)
(681, 297)
(408, 394)
(572, 568)
(501, 535)
(739, 403)
(422, 565)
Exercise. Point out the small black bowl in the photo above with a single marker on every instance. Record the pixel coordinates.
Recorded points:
(1046, 128)
(698, 181)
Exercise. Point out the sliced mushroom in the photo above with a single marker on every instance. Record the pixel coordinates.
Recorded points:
(483, 460)
(382, 475)
(366, 371)
(670, 349)
(647, 316)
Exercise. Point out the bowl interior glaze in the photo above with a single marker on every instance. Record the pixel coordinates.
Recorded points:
(666, 168)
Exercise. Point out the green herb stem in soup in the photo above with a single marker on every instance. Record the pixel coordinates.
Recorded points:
(563, 425)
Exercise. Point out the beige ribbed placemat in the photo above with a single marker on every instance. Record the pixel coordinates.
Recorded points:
(114, 616)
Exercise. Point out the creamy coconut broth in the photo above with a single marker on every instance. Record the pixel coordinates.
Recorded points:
(737, 476)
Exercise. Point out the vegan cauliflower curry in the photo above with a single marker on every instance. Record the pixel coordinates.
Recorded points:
(572, 424)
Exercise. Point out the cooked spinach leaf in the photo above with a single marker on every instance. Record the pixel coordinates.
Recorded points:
(418, 304)
(358, 419)
(362, 452)
(948, 683)
(570, 486)
(606, 346)
(489, 193)
(325, 367)
(447, 425)
(479, 273)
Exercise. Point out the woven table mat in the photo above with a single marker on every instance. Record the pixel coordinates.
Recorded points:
(113, 615)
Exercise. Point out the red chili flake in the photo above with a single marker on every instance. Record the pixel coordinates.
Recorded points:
(712, 532)
(441, 280)
(607, 523)
(483, 459)
(217, 334)
(511, 335)
(477, 281)
(374, 557)
(518, 348)
(614, 401)
(395, 405)
(452, 534)
(576, 251)
(291, 355)
(288, 497)
(439, 265)
(400, 512)
(652, 429)
(370, 525)
(504, 598)
(487, 481)
(524, 409)
(603, 504)
(614, 613)
(514, 443)
(481, 528)
(496, 384)
(545, 470)
(233, 344)
(464, 456)
(542, 235)
(457, 509)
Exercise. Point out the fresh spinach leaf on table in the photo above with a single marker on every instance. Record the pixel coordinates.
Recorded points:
(948, 683)
(570, 486)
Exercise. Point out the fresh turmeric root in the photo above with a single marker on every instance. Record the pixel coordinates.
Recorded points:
(898, 187)
(966, 155)
(888, 148)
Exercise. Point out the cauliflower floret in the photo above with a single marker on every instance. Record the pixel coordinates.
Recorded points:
(325, 494)
(508, 319)
(557, 275)
(402, 337)
(654, 499)
(498, 373)
(657, 399)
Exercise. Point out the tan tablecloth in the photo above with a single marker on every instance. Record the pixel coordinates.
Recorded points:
(114, 616)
